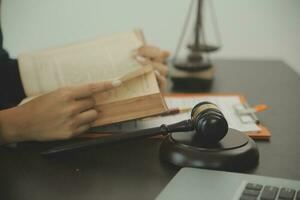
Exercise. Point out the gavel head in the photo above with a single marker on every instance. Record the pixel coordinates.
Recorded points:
(209, 122)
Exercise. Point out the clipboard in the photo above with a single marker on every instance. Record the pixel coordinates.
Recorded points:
(263, 134)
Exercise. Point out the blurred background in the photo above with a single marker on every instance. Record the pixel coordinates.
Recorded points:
(249, 29)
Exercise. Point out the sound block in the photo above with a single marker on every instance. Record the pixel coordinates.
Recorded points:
(235, 152)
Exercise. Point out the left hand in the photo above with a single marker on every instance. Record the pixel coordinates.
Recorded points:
(157, 58)
(57, 115)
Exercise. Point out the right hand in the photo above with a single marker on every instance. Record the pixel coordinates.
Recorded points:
(157, 58)
(61, 114)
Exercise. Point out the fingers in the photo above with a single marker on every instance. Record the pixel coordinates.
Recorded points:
(153, 53)
(85, 118)
(82, 129)
(149, 51)
(154, 56)
(162, 58)
(163, 69)
(91, 88)
(81, 111)
(142, 60)
(162, 82)
(83, 105)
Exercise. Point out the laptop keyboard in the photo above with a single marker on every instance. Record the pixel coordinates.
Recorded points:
(196, 184)
(254, 191)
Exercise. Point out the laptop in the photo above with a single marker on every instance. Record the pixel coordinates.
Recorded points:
(203, 184)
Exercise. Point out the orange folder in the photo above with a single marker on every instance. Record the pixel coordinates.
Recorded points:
(263, 134)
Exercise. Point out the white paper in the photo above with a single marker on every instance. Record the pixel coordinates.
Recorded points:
(85, 62)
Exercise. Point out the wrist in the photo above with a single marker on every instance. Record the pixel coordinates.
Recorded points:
(10, 126)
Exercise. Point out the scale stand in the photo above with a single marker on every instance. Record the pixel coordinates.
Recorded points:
(235, 152)
(194, 72)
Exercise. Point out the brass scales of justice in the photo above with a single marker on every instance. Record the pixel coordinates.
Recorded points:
(195, 71)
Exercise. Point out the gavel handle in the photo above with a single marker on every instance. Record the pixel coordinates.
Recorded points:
(120, 137)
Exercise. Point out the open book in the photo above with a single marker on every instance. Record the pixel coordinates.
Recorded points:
(97, 60)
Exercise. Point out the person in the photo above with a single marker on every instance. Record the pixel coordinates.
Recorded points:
(60, 114)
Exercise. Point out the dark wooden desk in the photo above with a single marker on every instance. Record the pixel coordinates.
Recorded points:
(133, 170)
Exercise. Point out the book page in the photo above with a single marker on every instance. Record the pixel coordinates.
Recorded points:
(139, 86)
(91, 61)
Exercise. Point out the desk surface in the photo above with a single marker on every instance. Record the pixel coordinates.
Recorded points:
(133, 170)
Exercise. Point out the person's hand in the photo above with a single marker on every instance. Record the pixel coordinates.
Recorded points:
(157, 58)
(61, 114)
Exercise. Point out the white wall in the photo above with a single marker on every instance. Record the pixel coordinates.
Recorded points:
(249, 28)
